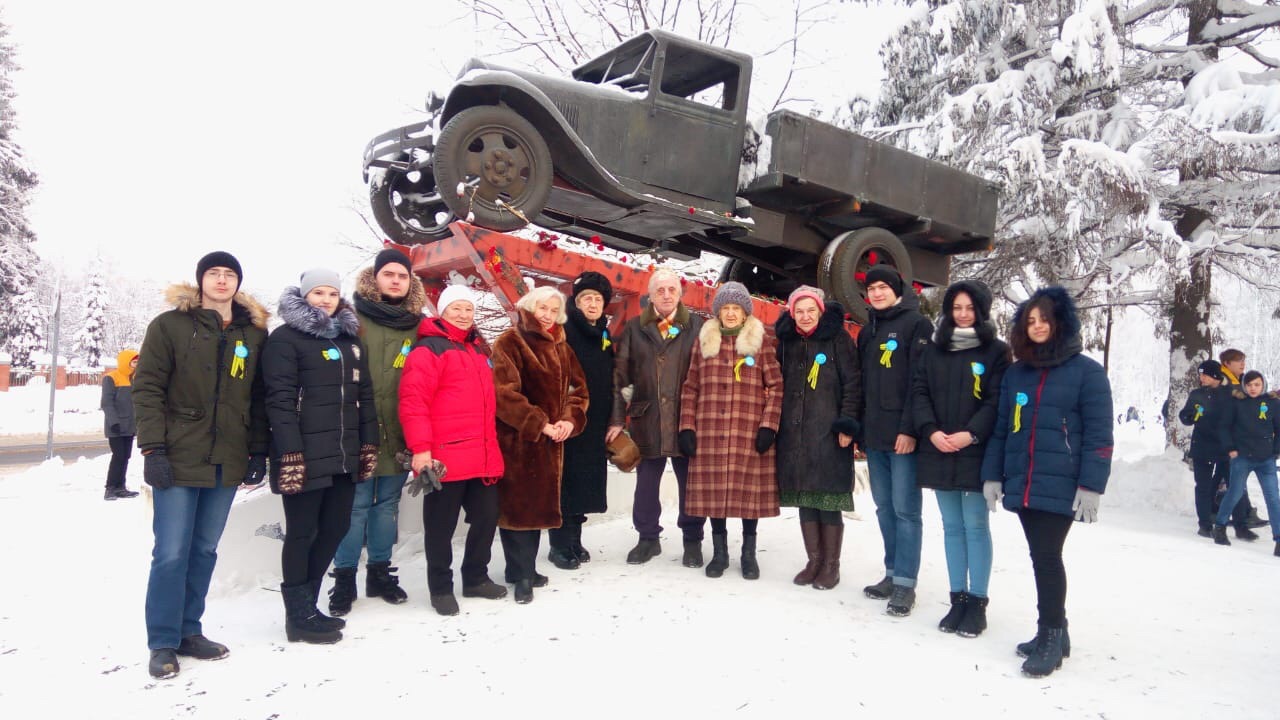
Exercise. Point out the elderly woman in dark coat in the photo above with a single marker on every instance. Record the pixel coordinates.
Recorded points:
(582, 489)
(822, 396)
(542, 401)
(954, 398)
(324, 439)
(731, 401)
(1050, 455)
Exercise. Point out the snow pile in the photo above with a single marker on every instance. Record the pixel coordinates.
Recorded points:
(25, 410)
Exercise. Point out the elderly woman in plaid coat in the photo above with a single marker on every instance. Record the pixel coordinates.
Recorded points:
(729, 411)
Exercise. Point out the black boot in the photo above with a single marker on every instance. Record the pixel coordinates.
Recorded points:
(576, 541)
(1025, 649)
(379, 581)
(1277, 550)
(1254, 521)
(1244, 533)
(1047, 655)
(1220, 535)
(563, 558)
(901, 600)
(951, 620)
(1205, 531)
(330, 623)
(880, 590)
(750, 568)
(644, 551)
(561, 553)
(692, 554)
(524, 592)
(302, 621)
(719, 555)
(202, 648)
(343, 592)
(163, 664)
(975, 617)
(539, 580)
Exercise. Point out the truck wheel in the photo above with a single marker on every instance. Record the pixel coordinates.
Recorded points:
(849, 256)
(408, 207)
(493, 164)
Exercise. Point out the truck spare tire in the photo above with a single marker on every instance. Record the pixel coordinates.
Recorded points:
(408, 206)
(493, 167)
(848, 257)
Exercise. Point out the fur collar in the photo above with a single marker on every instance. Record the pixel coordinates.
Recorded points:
(531, 329)
(650, 316)
(185, 297)
(830, 325)
(367, 288)
(313, 321)
(748, 342)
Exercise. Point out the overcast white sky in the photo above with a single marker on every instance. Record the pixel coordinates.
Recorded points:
(163, 130)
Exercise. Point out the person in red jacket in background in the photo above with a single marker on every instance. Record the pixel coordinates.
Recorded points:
(448, 412)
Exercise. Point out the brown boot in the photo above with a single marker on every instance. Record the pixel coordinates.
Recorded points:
(812, 548)
(832, 541)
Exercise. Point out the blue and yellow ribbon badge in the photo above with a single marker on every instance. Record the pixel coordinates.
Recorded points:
(886, 359)
(673, 331)
(605, 342)
(978, 371)
(1021, 400)
(749, 361)
(400, 356)
(330, 354)
(1262, 411)
(237, 363)
(1199, 413)
(818, 361)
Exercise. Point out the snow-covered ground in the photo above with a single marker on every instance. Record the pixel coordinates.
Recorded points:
(1164, 623)
(25, 410)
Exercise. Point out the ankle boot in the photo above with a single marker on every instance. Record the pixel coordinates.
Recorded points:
(380, 582)
(302, 623)
(832, 541)
(1047, 656)
(952, 619)
(576, 542)
(975, 617)
(1025, 649)
(1220, 535)
(719, 555)
(692, 554)
(330, 623)
(750, 568)
(813, 549)
(343, 592)
(561, 552)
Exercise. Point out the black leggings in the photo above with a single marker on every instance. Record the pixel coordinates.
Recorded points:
(1046, 534)
(721, 526)
(314, 524)
(121, 449)
(826, 517)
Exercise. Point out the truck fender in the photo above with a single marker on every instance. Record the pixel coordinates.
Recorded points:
(570, 157)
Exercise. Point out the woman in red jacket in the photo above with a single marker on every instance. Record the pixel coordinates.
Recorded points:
(448, 411)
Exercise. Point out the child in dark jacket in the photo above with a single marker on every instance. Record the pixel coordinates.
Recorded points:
(1251, 437)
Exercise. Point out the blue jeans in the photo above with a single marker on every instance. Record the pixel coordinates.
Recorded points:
(1266, 471)
(966, 536)
(188, 524)
(375, 518)
(897, 498)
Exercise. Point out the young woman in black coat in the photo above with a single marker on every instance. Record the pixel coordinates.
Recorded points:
(583, 484)
(821, 400)
(324, 435)
(954, 400)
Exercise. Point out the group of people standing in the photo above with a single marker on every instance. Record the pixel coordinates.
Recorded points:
(352, 402)
(1235, 433)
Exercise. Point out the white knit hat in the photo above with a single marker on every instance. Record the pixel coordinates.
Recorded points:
(452, 294)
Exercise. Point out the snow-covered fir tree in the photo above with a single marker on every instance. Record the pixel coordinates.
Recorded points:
(26, 327)
(1134, 144)
(91, 340)
(18, 262)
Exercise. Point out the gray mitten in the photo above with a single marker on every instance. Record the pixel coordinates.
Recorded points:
(1086, 505)
(993, 491)
(427, 481)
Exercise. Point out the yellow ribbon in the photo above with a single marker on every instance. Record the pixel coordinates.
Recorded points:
(1199, 413)
(749, 361)
(886, 359)
(605, 342)
(1020, 400)
(1262, 411)
(237, 362)
(813, 375)
(400, 356)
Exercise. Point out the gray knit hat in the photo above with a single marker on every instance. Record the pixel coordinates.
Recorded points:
(731, 293)
(319, 277)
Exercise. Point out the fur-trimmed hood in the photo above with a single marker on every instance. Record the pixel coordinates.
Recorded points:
(982, 297)
(829, 325)
(1066, 340)
(185, 297)
(367, 288)
(299, 315)
(748, 342)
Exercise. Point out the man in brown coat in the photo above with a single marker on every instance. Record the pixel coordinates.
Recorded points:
(653, 359)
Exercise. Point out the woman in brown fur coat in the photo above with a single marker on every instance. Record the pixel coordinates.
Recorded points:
(542, 401)
(732, 400)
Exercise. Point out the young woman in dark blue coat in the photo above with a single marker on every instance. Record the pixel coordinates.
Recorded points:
(1050, 455)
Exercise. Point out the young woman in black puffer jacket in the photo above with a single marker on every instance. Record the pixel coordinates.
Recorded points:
(324, 439)
(954, 400)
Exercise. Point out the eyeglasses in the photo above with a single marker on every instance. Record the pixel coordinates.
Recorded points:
(222, 275)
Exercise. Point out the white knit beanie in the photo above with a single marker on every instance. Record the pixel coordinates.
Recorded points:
(452, 294)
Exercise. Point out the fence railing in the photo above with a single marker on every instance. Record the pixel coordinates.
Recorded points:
(14, 377)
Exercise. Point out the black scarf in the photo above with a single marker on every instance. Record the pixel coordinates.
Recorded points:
(386, 314)
(1055, 352)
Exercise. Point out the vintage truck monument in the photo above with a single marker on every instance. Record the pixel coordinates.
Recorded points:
(648, 147)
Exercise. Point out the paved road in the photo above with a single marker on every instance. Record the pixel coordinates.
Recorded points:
(35, 453)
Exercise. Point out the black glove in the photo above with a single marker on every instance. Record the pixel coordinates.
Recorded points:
(115, 428)
(688, 442)
(256, 471)
(764, 439)
(156, 470)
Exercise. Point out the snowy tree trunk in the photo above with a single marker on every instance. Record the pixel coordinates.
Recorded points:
(1190, 336)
